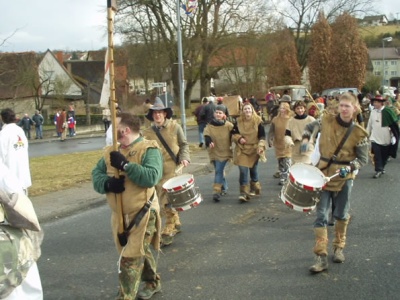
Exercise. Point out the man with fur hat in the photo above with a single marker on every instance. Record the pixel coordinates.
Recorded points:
(172, 134)
(384, 134)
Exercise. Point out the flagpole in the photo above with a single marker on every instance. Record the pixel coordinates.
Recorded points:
(111, 10)
(180, 68)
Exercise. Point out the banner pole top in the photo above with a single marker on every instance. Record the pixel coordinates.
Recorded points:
(112, 4)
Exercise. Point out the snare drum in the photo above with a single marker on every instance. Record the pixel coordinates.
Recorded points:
(181, 192)
(302, 190)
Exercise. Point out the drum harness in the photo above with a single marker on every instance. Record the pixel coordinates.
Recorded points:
(339, 147)
(174, 157)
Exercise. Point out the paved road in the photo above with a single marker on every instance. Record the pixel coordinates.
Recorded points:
(227, 250)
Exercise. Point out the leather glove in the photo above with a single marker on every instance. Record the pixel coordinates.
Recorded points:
(344, 171)
(118, 161)
(115, 185)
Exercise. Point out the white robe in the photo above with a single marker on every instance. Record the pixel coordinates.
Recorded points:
(14, 153)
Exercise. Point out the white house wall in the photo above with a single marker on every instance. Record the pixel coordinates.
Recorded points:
(49, 66)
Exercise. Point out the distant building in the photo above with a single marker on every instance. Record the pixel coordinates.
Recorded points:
(386, 62)
(379, 20)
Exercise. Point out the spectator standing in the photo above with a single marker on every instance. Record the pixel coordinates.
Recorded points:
(253, 101)
(71, 125)
(55, 121)
(106, 118)
(14, 149)
(384, 134)
(37, 118)
(201, 123)
(62, 125)
(26, 123)
(207, 113)
(140, 163)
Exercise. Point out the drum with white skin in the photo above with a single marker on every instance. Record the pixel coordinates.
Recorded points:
(302, 190)
(182, 194)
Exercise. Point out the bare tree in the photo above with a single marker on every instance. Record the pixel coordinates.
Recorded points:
(154, 23)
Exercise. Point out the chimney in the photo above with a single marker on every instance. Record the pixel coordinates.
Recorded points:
(60, 57)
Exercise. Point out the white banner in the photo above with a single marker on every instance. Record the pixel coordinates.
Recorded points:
(105, 91)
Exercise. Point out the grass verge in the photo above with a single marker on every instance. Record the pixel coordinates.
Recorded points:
(58, 172)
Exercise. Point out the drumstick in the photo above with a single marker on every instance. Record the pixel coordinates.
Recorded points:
(329, 178)
(179, 169)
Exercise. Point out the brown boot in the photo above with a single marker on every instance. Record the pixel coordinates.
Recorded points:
(339, 241)
(320, 249)
(255, 188)
(217, 191)
(244, 193)
(321, 264)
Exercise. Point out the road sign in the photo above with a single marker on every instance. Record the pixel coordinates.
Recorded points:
(158, 84)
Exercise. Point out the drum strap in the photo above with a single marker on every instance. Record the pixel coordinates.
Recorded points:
(160, 137)
(339, 147)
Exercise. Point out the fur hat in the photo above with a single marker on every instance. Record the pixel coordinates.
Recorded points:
(158, 105)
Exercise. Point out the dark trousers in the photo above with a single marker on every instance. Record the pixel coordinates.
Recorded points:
(381, 155)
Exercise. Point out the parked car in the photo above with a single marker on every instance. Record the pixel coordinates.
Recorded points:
(337, 91)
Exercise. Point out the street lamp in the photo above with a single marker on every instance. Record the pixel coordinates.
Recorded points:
(386, 39)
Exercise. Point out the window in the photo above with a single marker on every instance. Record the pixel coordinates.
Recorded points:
(377, 73)
(393, 73)
(393, 62)
(377, 63)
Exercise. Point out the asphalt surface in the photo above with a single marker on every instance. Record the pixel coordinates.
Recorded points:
(229, 250)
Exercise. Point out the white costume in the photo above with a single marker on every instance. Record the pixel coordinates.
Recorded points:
(14, 153)
(31, 287)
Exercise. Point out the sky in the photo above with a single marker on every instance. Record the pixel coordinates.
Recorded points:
(70, 25)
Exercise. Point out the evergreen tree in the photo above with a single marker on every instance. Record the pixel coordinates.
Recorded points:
(349, 57)
(320, 54)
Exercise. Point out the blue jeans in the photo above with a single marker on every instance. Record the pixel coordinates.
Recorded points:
(244, 174)
(39, 131)
(340, 199)
(219, 167)
(201, 130)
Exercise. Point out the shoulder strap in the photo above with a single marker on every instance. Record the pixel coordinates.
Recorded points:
(339, 147)
(157, 131)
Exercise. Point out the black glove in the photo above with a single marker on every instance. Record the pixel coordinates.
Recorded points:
(115, 185)
(118, 161)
